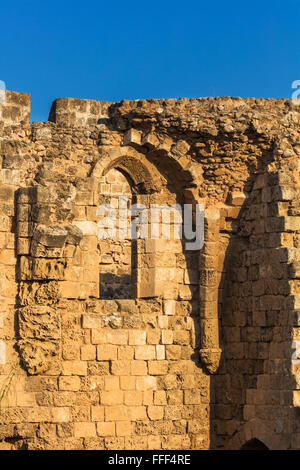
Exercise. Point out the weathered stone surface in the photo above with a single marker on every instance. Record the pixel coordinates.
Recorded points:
(39, 330)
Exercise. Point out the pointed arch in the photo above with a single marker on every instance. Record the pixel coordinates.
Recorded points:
(254, 444)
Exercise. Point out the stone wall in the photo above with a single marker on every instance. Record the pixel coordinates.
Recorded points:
(174, 348)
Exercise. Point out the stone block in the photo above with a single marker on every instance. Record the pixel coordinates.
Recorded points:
(107, 352)
(145, 352)
(138, 367)
(69, 383)
(112, 397)
(97, 413)
(137, 337)
(74, 368)
(88, 352)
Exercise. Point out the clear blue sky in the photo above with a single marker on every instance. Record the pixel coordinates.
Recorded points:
(113, 50)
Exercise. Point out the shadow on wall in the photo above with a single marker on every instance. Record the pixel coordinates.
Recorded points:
(247, 399)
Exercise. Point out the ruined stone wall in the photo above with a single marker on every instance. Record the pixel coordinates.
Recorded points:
(197, 353)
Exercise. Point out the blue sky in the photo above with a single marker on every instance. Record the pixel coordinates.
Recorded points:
(160, 49)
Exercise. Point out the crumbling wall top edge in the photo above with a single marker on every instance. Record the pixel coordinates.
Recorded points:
(14, 107)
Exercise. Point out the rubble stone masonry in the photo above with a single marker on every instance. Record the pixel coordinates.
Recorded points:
(143, 344)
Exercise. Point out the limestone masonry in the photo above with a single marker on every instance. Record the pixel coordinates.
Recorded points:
(143, 344)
